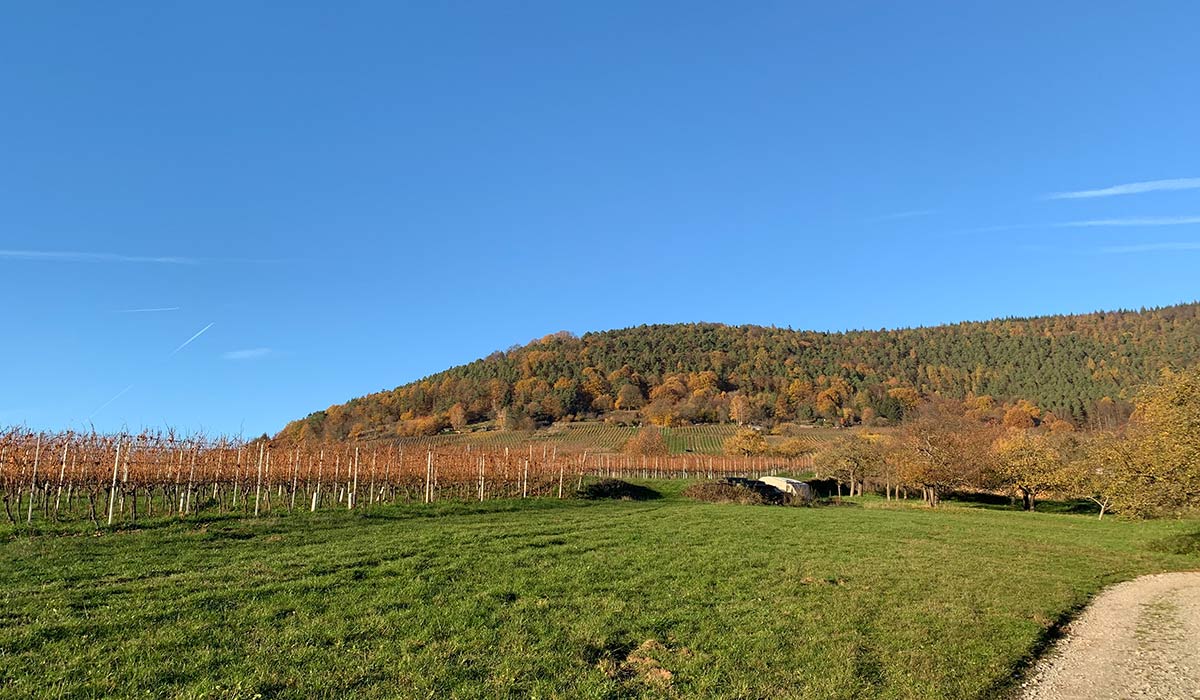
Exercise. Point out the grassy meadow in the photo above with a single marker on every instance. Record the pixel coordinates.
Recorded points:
(560, 599)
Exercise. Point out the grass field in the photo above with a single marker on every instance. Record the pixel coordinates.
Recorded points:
(555, 598)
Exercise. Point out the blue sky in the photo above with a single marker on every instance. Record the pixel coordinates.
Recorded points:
(349, 196)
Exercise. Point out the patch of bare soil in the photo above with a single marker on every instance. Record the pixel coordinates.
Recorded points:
(647, 663)
(1138, 639)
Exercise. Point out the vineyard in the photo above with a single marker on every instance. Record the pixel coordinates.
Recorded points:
(111, 478)
(598, 438)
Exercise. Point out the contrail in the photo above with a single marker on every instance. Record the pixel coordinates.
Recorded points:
(189, 340)
(146, 311)
(106, 403)
(75, 256)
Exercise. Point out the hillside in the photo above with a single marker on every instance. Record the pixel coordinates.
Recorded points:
(1080, 368)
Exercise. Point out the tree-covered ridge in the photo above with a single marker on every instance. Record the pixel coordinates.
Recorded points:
(1080, 368)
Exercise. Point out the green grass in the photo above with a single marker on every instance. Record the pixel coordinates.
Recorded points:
(546, 599)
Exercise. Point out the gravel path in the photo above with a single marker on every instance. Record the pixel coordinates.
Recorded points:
(1138, 639)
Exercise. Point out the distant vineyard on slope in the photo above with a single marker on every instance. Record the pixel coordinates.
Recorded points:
(597, 438)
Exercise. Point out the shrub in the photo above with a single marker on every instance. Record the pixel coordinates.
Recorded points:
(740, 491)
(617, 490)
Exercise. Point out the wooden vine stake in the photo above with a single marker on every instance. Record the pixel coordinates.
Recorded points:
(112, 493)
(187, 508)
(320, 468)
(295, 477)
(62, 473)
(258, 486)
(429, 477)
(37, 453)
(482, 461)
(353, 491)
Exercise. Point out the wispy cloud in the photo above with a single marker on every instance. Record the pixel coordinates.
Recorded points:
(903, 215)
(247, 354)
(1093, 223)
(1183, 183)
(147, 311)
(1144, 221)
(1150, 247)
(189, 340)
(1001, 227)
(74, 256)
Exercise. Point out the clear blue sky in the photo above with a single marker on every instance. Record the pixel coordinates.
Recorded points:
(355, 195)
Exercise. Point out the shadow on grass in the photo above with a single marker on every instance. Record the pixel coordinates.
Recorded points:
(82, 527)
(995, 501)
(1009, 686)
(242, 525)
(1187, 544)
(1077, 506)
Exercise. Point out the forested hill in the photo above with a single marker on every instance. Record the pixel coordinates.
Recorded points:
(1073, 367)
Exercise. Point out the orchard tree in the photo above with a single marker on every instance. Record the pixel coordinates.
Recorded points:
(1158, 470)
(851, 460)
(1152, 467)
(1027, 463)
(940, 450)
(1094, 474)
(647, 442)
(747, 441)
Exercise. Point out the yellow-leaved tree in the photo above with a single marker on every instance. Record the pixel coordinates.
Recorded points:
(746, 441)
(647, 442)
(851, 460)
(1156, 468)
(1028, 463)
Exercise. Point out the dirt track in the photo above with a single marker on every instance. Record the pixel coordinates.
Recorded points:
(1138, 639)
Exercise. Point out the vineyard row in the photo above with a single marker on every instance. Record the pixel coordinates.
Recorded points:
(120, 478)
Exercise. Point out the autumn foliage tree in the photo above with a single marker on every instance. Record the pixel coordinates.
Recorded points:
(940, 449)
(1094, 473)
(458, 416)
(851, 460)
(741, 411)
(647, 442)
(1028, 463)
(1155, 469)
(746, 441)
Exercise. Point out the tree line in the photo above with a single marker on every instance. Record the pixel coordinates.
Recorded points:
(1145, 468)
(1082, 370)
